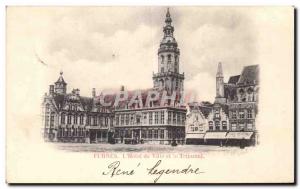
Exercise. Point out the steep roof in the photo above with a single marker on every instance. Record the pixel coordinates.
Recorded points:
(234, 79)
(86, 102)
(204, 107)
(230, 92)
(249, 75)
(224, 107)
(61, 79)
(59, 100)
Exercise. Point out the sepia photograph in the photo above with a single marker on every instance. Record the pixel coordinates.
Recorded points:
(150, 94)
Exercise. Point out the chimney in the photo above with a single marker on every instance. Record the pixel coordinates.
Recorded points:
(51, 90)
(94, 92)
(122, 88)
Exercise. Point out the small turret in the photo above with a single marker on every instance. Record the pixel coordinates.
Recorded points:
(60, 85)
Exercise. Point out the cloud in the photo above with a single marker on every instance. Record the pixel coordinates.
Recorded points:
(107, 47)
(202, 86)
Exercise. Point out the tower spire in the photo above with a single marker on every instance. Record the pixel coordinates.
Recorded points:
(220, 85)
(220, 70)
(168, 77)
(168, 19)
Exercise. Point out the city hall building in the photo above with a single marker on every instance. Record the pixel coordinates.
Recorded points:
(70, 117)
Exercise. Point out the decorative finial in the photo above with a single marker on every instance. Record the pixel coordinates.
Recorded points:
(168, 17)
(61, 72)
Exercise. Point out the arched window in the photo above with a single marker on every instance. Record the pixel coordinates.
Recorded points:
(169, 58)
(210, 124)
(162, 70)
(162, 59)
(224, 125)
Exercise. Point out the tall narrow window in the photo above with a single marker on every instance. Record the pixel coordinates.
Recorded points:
(217, 125)
(155, 134)
(117, 120)
(174, 118)
(47, 120)
(62, 118)
(122, 119)
(88, 120)
(217, 113)
(52, 119)
(81, 119)
(162, 59)
(233, 114)
(47, 112)
(178, 118)
(162, 134)
(106, 121)
(169, 58)
(69, 118)
(249, 113)
(162, 117)
(94, 120)
(150, 118)
(75, 119)
(156, 117)
(241, 114)
(224, 125)
(127, 119)
(169, 117)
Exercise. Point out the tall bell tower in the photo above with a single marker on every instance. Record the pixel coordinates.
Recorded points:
(168, 76)
(220, 98)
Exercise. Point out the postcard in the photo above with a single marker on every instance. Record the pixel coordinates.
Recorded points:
(150, 95)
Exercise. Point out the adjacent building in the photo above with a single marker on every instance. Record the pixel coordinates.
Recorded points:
(70, 117)
(197, 122)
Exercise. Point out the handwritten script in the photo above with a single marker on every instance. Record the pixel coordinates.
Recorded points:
(114, 169)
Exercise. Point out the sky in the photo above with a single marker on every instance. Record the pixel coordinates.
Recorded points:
(106, 47)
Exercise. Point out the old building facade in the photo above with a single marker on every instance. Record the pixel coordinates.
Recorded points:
(74, 118)
(157, 122)
(69, 117)
(197, 122)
